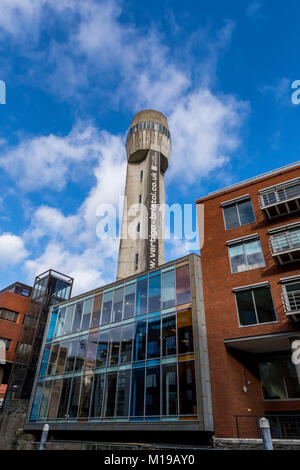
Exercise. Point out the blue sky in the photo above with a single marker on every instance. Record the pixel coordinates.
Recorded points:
(77, 71)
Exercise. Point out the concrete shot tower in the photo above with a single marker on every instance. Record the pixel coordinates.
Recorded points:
(148, 149)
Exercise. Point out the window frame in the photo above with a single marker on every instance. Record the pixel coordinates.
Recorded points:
(243, 241)
(252, 288)
(235, 202)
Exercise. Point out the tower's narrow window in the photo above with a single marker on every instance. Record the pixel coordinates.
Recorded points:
(136, 261)
(140, 199)
(138, 227)
(141, 175)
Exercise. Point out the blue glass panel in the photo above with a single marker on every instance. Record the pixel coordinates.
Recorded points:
(45, 359)
(52, 323)
(140, 341)
(154, 293)
(141, 296)
(36, 402)
(137, 392)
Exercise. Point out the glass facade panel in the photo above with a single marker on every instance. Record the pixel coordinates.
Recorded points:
(77, 317)
(36, 402)
(53, 359)
(86, 317)
(52, 411)
(153, 391)
(60, 322)
(153, 343)
(115, 339)
(154, 293)
(91, 350)
(118, 304)
(137, 392)
(123, 393)
(141, 296)
(96, 311)
(139, 351)
(102, 350)
(127, 337)
(74, 397)
(64, 398)
(52, 323)
(81, 349)
(68, 320)
(129, 304)
(62, 356)
(183, 290)
(97, 397)
(44, 363)
(185, 331)
(279, 380)
(110, 394)
(106, 308)
(169, 335)
(168, 289)
(187, 388)
(169, 390)
(45, 400)
(86, 388)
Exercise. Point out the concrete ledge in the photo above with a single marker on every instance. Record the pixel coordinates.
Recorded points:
(248, 444)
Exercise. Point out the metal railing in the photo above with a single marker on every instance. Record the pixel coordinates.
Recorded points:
(285, 241)
(276, 196)
(282, 426)
(291, 301)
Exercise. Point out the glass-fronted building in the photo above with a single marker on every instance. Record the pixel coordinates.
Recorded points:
(131, 355)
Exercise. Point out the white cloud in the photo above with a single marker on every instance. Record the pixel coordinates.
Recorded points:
(205, 133)
(280, 90)
(12, 249)
(253, 8)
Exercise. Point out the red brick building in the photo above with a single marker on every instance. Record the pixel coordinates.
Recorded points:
(14, 302)
(251, 280)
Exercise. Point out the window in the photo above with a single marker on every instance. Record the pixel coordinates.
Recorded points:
(138, 228)
(246, 255)
(129, 301)
(9, 315)
(141, 175)
(168, 289)
(7, 343)
(140, 199)
(279, 380)
(238, 213)
(255, 305)
(154, 293)
(106, 308)
(136, 261)
(118, 304)
(183, 290)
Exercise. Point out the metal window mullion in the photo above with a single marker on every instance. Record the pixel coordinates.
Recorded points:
(254, 304)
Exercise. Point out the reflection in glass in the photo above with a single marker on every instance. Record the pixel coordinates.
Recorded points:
(64, 398)
(118, 304)
(62, 355)
(106, 308)
(168, 289)
(183, 291)
(279, 380)
(129, 301)
(123, 392)
(141, 296)
(126, 343)
(77, 317)
(185, 331)
(60, 322)
(110, 394)
(153, 344)
(169, 335)
(53, 358)
(96, 311)
(54, 398)
(85, 396)
(140, 341)
(74, 397)
(154, 293)
(115, 336)
(102, 350)
(45, 400)
(137, 392)
(44, 363)
(169, 389)
(91, 350)
(153, 391)
(71, 355)
(36, 401)
(81, 348)
(68, 320)
(87, 309)
(97, 397)
(187, 388)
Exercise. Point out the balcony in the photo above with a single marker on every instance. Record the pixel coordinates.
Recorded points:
(280, 200)
(285, 244)
(291, 304)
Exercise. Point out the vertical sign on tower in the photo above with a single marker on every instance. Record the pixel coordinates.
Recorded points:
(153, 210)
